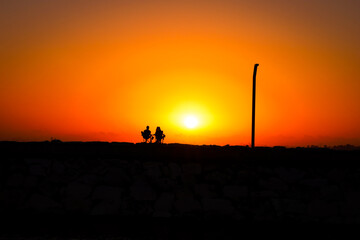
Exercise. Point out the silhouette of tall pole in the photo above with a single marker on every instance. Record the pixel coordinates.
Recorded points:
(253, 107)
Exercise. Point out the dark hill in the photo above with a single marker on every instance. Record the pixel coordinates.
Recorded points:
(80, 183)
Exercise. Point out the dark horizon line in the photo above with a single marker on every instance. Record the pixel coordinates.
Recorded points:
(57, 141)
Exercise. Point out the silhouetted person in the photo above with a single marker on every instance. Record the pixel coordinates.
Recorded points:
(147, 134)
(159, 135)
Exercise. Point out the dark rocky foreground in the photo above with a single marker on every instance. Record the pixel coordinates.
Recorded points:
(138, 191)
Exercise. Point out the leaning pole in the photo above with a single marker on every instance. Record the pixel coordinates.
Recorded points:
(253, 107)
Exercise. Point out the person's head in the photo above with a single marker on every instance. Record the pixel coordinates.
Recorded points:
(147, 127)
(158, 129)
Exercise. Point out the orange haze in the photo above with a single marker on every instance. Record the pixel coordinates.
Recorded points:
(103, 70)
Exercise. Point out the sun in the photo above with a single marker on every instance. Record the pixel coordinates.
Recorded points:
(191, 122)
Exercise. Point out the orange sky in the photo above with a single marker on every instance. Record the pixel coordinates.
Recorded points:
(103, 70)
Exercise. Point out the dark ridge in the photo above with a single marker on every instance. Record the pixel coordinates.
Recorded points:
(88, 189)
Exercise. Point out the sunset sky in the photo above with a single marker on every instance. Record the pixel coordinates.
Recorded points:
(104, 70)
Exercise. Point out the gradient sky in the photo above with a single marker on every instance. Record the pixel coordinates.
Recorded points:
(103, 70)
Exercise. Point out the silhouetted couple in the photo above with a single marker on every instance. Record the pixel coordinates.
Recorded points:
(159, 135)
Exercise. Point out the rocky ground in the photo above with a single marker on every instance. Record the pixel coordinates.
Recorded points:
(179, 183)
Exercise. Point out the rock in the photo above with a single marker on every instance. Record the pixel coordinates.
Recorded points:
(97, 170)
(78, 197)
(111, 162)
(277, 206)
(160, 214)
(57, 180)
(263, 194)
(336, 175)
(165, 171)
(152, 169)
(142, 192)
(218, 206)
(49, 189)
(187, 204)
(122, 163)
(37, 170)
(15, 180)
(273, 184)
(31, 181)
(175, 170)
(135, 167)
(89, 179)
(16, 167)
(42, 204)
(106, 193)
(165, 184)
(188, 179)
(334, 220)
(293, 206)
(108, 200)
(263, 211)
(115, 177)
(129, 207)
(191, 168)
(36, 161)
(284, 206)
(314, 183)
(289, 175)
(74, 165)
(13, 198)
(209, 167)
(165, 202)
(322, 209)
(330, 192)
(217, 177)
(302, 193)
(77, 205)
(245, 177)
(78, 190)
(57, 167)
(235, 192)
(204, 190)
(229, 173)
(265, 171)
(184, 193)
(352, 203)
(106, 208)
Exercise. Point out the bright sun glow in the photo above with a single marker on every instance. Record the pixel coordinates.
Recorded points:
(191, 121)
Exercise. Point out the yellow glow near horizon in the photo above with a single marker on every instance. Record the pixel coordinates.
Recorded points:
(191, 116)
(191, 122)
